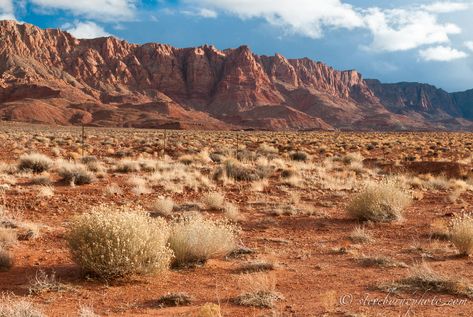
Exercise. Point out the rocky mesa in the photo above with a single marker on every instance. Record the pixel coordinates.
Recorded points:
(48, 76)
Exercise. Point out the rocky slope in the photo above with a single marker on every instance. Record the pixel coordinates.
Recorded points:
(49, 76)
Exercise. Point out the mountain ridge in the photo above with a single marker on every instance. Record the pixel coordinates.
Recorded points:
(48, 76)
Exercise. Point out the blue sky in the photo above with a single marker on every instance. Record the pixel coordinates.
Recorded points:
(397, 40)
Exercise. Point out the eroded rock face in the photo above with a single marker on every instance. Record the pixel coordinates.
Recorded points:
(117, 83)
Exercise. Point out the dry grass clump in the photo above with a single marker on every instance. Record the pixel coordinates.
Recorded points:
(113, 189)
(6, 261)
(162, 207)
(299, 156)
(214, 200)
(423, 278)
(235, 170)
(46, 191)
(35, 162)
(232, 212)
(383, 201)
(11, 308)
(8, 237)
(110, 243)
(379, 261)
(85, 311)
(360, 235)
(126, 166)
(174, 300)
(44, 283)
(43, 180)
(140, 186)
(461, 234)
(75, 173)
(259, 291)
(210, 310)
(256, 266)
(195, 240)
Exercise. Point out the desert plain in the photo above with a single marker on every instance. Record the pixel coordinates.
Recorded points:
(298, 238)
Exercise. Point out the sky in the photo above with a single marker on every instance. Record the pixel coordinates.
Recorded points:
(393, 41)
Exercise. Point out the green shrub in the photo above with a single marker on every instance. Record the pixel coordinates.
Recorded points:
(113, 244)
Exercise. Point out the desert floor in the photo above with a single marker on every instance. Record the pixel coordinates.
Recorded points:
(292, 215)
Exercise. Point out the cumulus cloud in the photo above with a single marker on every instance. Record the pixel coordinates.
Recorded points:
(400, 30)
(92, 9)
(85, 30)
(441, 54)
(203, 12)
(469, 45)
(307, 17)
(446, 7)
(7, 11)
(391, 29)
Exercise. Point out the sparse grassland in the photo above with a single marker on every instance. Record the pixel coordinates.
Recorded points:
(231, 223)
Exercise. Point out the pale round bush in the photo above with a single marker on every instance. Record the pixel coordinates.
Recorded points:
(383, 201)
(163, 207)
(11, 308)
(461, 234)
(111, 243)
(35, 162)
(195, 240)
(75, 173)
(214, 200)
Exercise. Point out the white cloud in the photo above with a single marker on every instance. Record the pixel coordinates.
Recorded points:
(391, 29)
(7, 11)
(445, 7)
(307, 17)
(85, 30)
(441, 54)
(469, 45)
(203, 12)
(400, 30)
(96, 9)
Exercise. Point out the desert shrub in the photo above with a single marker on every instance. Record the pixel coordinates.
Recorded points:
(163, 207)
(6, 261)
(41, 180)
(237, 171)
(175, 300)
(210, 310)
(85, 311)
(299, 156)
(232, 212)
(260, 291)
(194, 240)
(423, 279)
(383, 201)
(35, 162)
(461, 234)
(360, 235)
(10, 308)
(89, 159)
(214, 200)
(112, 244)
(127, 166)
(75, 173)
(7, 237)
(352, 158)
